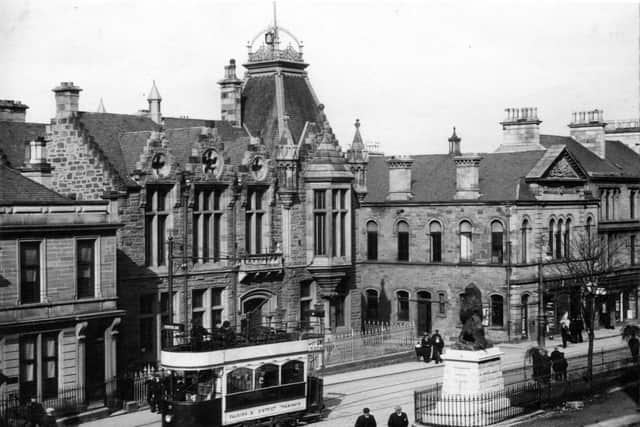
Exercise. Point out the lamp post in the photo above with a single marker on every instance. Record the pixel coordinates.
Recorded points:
(185, 184)
(541, 317)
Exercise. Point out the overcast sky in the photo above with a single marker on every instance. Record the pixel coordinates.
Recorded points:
(409, 70)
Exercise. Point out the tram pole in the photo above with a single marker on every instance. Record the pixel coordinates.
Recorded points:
(170, 289)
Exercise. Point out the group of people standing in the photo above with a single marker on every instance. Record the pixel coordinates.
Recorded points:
(430, 347)
(396, 419)
(571, 330)
(543, 363)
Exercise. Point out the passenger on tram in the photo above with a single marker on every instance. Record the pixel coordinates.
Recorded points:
(198, 334)
(228, 333)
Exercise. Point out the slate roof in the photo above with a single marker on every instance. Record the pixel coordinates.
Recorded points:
(590, 162)
(13, 135)
(17, 189)
(623, 158)
(259, 108)
(434, 177)
(106, 129)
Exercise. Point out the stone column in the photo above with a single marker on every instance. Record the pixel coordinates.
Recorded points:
(81, 329)
(287, 201)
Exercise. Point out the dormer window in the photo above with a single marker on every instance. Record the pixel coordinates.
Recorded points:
(258, 168)
(159, 164)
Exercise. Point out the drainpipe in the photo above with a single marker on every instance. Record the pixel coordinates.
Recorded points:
(508, 274)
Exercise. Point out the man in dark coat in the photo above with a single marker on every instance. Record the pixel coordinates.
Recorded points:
(425, 343)
(556, 357)
(35, 412)
(366, 419)
(398, 418)
(634, 346)
(437, 344)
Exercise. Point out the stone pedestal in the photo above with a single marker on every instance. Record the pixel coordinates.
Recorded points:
(472, 372)
(472, 390)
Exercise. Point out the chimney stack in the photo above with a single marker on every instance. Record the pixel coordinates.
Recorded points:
(154, 100)
(12, 111)
(454, 143)
(231, 95)
(399, 178)
(36, 166)
(587, 127)
(521, 130)
(67, 99)
(467, 176)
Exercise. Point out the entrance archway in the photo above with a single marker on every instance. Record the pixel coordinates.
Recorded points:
(258, 309)
(424, 312)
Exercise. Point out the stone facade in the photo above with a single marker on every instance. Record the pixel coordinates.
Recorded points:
(45, 313)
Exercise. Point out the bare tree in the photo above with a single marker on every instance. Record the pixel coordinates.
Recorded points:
(588, 261)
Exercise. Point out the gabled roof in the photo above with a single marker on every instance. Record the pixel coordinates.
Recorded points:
(106, 129)
(557, 158)
(13, 135)
(591, 163)
(17, 189)
(434, 177)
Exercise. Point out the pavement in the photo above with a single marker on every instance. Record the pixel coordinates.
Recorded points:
(383, 387)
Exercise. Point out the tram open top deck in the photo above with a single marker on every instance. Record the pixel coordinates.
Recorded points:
(188, 358)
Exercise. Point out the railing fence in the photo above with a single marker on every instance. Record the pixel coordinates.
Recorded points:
(375, 339)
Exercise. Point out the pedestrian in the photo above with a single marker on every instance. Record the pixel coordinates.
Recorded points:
(556, 357)
(563, 364)
(366, 419)
(634, 346)
(398, 418)
(579, 328)
(35, 412)
(565, 324)
(546, 367)
(437, 345)
(426, 347)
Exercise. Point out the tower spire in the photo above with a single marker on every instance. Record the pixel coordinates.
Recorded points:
(276, 36)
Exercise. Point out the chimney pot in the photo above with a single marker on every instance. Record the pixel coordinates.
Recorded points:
(588, 130)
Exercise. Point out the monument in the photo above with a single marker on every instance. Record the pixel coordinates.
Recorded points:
(472, 373)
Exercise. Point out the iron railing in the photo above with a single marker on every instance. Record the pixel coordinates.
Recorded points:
(434, 408)
(374, 340)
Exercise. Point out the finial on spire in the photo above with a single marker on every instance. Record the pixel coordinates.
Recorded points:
(101, 108)
(154, 95)
(357, 143)
(454, 137)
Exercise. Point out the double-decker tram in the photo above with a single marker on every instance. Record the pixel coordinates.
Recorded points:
(241, 383)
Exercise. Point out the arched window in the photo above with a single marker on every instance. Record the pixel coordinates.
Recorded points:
(465, 241)
(267, 376)
(567, 238)
(403, 306)
(372, 240)
(497, 237)
(552, 227)
(239, 380)
(372, 305)
(588, 227)
(524, 241)
(497, 310)
(293, 372)
(403, 241)
(524, 315)
(442, 304)
(558, 242)
(435, 233)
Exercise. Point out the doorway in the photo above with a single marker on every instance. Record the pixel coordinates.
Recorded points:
(94, 363)
(258, 309)
(424, 312)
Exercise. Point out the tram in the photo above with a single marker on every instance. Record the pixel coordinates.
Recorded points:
(270, 383)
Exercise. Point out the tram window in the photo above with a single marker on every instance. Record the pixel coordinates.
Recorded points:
(267, 376)
(293, 372)
(239, 380)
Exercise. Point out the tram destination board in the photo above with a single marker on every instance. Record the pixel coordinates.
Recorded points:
(178, 327)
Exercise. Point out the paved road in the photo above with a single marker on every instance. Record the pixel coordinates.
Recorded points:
(382, 388)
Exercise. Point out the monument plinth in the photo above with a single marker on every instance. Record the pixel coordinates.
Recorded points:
(472, 372)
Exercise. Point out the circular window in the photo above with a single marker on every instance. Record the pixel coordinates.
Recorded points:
(258, 168)
(159, 164)
(212, 162)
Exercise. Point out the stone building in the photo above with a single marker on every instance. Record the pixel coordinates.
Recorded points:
(59, 320)
(432, 224)
(259, 206)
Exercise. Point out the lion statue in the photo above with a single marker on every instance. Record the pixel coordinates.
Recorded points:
(472, 335)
